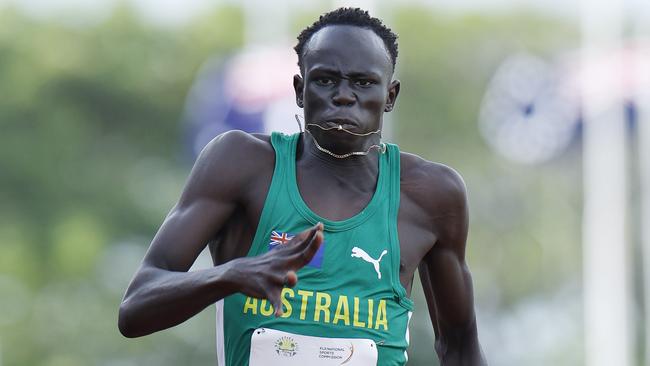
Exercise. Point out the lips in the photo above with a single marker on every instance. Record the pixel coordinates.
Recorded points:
(344, 122)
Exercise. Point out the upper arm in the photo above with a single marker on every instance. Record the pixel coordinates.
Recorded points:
(444, 272)
(214, 187)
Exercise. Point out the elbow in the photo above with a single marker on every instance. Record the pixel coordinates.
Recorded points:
(125, 322)
(460, 347)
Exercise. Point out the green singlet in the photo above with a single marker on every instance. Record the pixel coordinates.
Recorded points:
(349, 306)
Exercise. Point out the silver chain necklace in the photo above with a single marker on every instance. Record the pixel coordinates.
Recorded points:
(381, 147)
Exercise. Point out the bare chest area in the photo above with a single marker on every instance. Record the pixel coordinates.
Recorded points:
(335, 199)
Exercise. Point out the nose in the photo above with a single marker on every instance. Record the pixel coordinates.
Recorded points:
(343, 95)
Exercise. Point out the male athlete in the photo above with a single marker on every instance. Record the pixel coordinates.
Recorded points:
(315, 237)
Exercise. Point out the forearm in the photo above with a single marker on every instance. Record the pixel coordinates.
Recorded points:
(158, 299)
(460, 348)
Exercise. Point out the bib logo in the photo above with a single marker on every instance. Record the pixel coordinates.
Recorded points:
(286, 346)
(360, 253)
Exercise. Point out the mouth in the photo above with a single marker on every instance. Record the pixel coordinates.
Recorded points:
(343, 122)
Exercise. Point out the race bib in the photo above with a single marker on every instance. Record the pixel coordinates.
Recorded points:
(274, 347)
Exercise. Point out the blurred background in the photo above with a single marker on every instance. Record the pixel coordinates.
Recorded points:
(543, 107)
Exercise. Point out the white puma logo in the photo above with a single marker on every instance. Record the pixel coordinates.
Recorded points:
(360, 253)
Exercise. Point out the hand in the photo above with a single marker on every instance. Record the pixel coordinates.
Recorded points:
(265, 276)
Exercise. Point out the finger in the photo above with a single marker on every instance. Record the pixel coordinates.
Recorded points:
(294, 244)
(310, 237)
(278, 309)
(305, 233)
(277, 305)
(313, 246)
(273, 297)
(307, 253)
(290, 279)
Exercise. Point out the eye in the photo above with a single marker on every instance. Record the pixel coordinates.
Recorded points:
(324, 81)
(364, 82)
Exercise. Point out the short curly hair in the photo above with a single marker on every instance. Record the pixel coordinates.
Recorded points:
(349, 16)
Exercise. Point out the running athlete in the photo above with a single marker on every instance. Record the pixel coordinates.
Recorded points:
(316, 236)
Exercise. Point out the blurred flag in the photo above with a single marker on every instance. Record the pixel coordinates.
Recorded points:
(251, 91)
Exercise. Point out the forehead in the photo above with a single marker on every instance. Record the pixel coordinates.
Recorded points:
(347, 48)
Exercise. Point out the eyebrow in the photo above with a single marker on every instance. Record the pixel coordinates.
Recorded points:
(353, 74)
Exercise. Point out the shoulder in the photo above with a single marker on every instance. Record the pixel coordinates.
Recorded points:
(230, 162)
(236, 150)
(238, 141)
(438, 189)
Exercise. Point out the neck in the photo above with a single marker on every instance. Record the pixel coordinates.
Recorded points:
(362, 167)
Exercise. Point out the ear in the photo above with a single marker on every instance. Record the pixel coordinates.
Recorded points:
(298, 84)
(393, 91)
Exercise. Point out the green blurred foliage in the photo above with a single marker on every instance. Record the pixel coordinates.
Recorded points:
(90, 161)
(510, 203)
(524, 221)
(81, 109)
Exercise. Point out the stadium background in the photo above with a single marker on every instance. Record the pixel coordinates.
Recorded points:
(103, 107)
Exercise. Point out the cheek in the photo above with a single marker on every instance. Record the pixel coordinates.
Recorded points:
(315, 97)
(374, 98)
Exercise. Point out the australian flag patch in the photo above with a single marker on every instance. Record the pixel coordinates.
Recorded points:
(279, 238)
